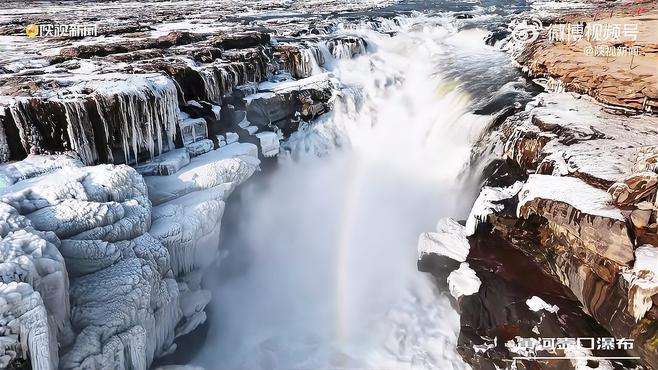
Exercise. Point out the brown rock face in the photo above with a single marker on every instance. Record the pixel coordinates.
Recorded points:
(586, 208)
(241, 40)
(105, 49)
(626, 81)
(634, 189)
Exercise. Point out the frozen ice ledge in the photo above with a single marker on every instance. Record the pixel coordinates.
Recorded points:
(117, 160)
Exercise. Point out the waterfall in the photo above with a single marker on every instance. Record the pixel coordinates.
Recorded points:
(321, 268)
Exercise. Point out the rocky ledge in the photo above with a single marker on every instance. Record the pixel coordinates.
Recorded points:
(119, 152)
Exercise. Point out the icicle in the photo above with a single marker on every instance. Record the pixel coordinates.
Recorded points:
(77, 118)
(147, 115)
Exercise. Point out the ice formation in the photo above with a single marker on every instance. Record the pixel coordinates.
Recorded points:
(488, 202)
(463, 281)
(449, 240)
(25, 328)
(132, 262)
(137, 113)
(536, 304)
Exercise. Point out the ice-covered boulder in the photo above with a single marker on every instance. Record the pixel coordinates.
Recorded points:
(449, 240)
(165, 164)
(269, 143)
(190, 203)
(226, 166)
(95, 221)
(25, 328)
(283, 103)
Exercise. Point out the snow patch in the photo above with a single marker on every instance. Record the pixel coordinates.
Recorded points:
(463, 281)
(536, 304)
(449, 240)
(569, 190)
(487, 204)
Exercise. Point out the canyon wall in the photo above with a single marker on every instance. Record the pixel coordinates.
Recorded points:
(567, 212)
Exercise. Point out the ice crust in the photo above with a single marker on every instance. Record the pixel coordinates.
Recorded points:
(106, 263)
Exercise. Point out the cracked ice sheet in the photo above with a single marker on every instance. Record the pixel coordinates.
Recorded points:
(229, 165)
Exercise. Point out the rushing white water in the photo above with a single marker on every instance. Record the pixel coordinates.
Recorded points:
(329, 237)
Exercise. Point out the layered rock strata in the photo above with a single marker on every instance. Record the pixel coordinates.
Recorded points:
(616, 68)
(583, 207)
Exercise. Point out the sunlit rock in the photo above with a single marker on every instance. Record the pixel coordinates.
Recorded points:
(578, 212)
(635, 188)
(642, 280)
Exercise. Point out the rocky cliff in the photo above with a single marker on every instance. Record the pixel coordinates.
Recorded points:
(569, 193)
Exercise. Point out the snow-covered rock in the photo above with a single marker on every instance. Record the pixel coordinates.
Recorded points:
(226, 166)
(463, 281)
(165, 164)
(231, 137)
(269, 143)
(449, 240)
(578, 211)
(642, 281)
(585, 213)
(199, 147)
(488, 202)
(537, 304)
